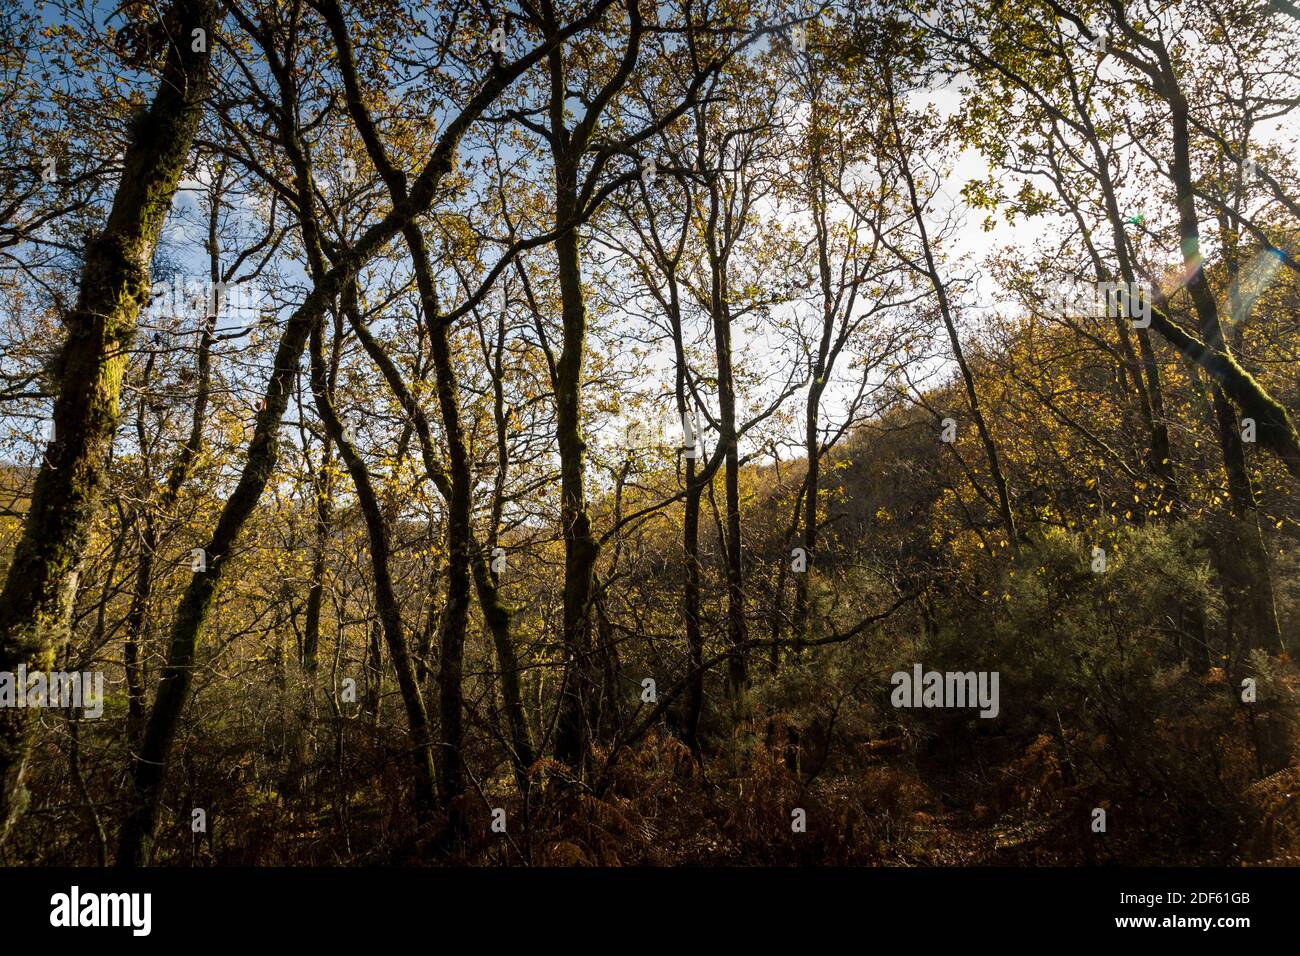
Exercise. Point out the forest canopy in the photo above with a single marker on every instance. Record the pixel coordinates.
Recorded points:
(668, 432)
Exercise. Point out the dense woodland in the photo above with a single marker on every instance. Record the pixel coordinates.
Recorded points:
(535, 432)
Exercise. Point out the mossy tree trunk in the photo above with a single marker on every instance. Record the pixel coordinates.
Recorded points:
(115, 283)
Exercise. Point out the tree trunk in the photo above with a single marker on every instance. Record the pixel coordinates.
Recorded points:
(1246, 558)
(455, 615)
(580, 547)
(737, 670)
(390, 614)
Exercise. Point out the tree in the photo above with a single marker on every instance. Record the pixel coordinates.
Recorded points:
(38, 590)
